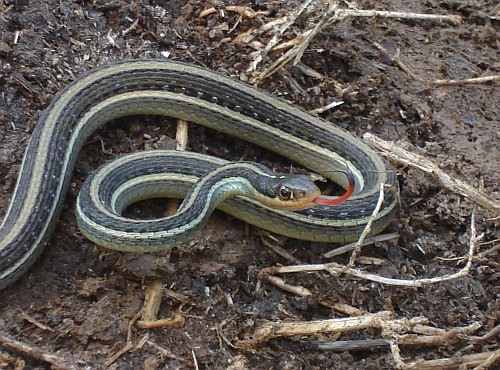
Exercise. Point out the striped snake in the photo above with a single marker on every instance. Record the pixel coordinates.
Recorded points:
(197, 95)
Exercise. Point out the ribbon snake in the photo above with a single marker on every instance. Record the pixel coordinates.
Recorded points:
(244, 189)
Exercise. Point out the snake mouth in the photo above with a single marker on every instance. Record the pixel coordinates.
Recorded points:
(330, 201)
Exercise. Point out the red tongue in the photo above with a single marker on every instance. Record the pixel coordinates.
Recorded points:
(330, 202)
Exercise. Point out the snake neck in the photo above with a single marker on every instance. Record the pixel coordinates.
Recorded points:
(228, 181)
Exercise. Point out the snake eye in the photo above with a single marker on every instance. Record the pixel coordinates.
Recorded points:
(284, 192)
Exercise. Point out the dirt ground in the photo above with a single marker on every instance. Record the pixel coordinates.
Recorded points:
(76, 303)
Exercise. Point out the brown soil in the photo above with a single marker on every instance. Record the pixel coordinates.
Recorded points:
(78, 299)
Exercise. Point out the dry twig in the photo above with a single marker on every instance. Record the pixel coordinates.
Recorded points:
(465, 362)
(349, 247)
(283, 26)
(396, 58)
(113, 358)
(396, 332)
(275, 247)
(280, 283)
(154, 295)
(368, 227)
(297, 51)
(332, 15)
(488, 336)
(477, 80)
(34, 352)
(285, 329)
(402, 156)
(243, 11)
(337, 269)
(343, 13)
(165, 352)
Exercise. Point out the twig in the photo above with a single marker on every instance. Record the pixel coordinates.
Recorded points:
(337, 269)
(36, 353)
(396, 58)
(35, 322)
(476, 80)
(441, 337)
(301, 48)
(182, 298)
(155, 291)
(243, 11)
(491, 360)
(368, 227)
(281, 329)
(349, 247)
(396, 353)
(165, 352)
(345, 308)
(222, 337)
(454, 19)
(290, 19)
(450, 363)
(280, 283)
(127, 347)
(327, 107)
(282, 252)
(152, 303)
(177, 319)
(154, 295)
(392, 332)
(351, 345)
(402, 156)
(195, 360)
(181, 141)
(181, 135)
(132, 27)
(333, 15)
(298, 50)
(488, 336)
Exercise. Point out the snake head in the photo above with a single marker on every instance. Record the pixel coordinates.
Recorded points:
(289, 192)
(297, 192)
